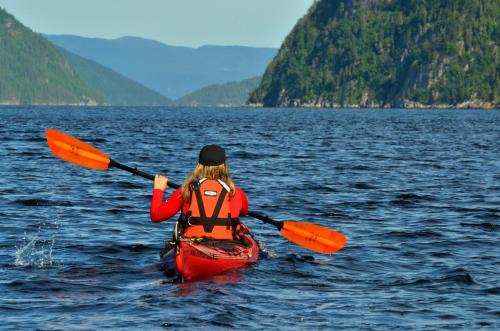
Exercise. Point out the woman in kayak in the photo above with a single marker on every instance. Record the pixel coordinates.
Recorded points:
(209, 202)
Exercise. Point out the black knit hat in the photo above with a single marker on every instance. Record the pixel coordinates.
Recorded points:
(212, 155)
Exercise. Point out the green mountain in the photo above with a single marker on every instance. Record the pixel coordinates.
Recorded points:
(33, 71)
(388, 53)
(226, 95)
(117, 90)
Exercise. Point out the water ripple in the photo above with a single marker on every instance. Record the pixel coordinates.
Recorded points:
(416, 192)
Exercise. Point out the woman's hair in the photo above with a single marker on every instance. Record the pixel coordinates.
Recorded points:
(209, 172)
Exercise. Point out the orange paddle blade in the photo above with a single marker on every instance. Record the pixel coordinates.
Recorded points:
(75, 151)
(313, 237)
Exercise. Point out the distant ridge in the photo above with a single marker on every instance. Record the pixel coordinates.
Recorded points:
(116, 89)
(33, 71)
(172, 71)
(388, 53)
(233, 94)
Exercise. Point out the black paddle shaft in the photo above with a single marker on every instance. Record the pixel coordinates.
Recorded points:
(134, 171)
(266, 219)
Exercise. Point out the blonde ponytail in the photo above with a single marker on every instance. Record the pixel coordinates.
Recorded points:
(209, 172)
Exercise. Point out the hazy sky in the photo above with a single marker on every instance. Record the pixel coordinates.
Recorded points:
(175, 22)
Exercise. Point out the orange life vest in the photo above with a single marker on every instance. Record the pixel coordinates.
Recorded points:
(209, 213)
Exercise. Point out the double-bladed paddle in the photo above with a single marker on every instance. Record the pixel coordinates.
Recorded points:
(307, 235)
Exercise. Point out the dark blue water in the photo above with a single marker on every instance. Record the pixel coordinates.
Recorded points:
(416, 192)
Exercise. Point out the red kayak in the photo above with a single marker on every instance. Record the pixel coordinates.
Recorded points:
(202, 258)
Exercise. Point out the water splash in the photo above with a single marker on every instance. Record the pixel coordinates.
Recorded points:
(34, 253)
(267, 252)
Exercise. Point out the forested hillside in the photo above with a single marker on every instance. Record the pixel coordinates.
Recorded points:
(116, 89)
(380, 53)
(223, 95)
(33, 71)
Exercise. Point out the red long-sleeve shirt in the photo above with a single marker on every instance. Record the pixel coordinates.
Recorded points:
(161, 211)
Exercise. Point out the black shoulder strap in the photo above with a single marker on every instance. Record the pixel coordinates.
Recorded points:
(199, 200)
(218, 206)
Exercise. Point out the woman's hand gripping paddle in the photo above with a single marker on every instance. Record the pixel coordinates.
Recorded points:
(307, 235)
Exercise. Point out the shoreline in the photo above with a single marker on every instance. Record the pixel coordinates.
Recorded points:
(406, 105)
(304, 107)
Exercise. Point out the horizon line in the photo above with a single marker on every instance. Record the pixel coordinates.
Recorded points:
(153, 40)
